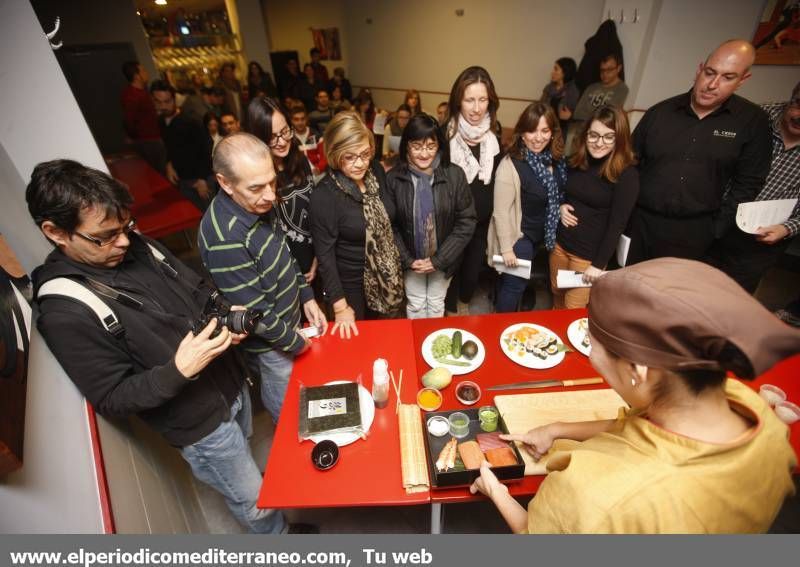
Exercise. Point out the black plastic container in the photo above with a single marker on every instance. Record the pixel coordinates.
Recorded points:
(462, 476)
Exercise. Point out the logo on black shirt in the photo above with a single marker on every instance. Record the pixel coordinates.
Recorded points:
(724, 134)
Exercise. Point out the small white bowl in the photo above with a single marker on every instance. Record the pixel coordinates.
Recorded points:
(787, 412)
(772, 394)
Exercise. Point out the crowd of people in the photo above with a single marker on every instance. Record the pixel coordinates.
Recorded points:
(307, 217)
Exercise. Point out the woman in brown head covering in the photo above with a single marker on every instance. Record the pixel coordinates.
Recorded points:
(696, 452)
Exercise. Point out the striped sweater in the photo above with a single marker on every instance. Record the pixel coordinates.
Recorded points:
(250, 262)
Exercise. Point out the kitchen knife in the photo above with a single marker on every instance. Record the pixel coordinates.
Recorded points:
(547, 384)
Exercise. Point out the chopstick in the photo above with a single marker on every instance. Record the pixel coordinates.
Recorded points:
(399, 385)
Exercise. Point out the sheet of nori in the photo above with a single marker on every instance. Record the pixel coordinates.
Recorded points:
(351, 419)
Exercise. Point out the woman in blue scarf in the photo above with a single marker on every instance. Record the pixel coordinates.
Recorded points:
(529, 187)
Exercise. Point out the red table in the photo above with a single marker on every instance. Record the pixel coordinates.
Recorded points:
(368, 472)
(158, 206)
(291, 481)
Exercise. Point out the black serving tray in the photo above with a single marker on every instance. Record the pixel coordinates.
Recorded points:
(459, 476)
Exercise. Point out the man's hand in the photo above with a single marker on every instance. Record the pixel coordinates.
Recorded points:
(772, 234)
(312, 272)
(567, 216)
(172, 175)
(315, 316)
(564, 113)
(202, 189)
(196, 351)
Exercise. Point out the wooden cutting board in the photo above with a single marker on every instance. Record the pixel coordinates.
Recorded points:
(523, 412)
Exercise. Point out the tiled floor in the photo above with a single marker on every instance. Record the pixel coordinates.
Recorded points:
(779, 287)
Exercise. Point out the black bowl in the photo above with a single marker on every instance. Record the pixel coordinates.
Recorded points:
(325, 454)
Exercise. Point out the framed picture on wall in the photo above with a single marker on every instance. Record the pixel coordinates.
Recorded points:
(777, 37)
(15, 325)
(327, 41)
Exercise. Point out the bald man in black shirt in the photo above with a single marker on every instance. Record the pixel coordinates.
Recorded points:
(691, 148)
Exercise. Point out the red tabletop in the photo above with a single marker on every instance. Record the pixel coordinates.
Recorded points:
(368, 471)
(497, 368)
(158, 206)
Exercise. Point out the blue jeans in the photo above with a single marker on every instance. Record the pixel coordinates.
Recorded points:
(222, 459)
(275, 368)
(511, 288)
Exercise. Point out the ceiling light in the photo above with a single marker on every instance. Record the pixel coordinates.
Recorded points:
(161, 2)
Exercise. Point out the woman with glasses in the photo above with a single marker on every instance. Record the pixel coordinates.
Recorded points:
(602, 188)
(294, 183)
(473, 134)
(432, 214)
(353, 240)
(528, 189)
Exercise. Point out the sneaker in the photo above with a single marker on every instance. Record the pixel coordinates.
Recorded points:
(303, 529)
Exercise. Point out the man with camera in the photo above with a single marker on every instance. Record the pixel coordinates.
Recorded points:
(117, 311)
(245, 251)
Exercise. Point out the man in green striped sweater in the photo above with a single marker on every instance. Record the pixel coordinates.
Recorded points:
(246, 254)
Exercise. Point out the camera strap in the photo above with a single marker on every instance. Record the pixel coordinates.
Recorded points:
(78, 291)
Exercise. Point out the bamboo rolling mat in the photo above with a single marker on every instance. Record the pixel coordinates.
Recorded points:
(414, 463)
(523, 412)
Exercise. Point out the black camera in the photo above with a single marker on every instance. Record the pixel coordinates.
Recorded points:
(243, 321)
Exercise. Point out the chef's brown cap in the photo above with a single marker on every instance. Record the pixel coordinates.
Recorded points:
(685, 315)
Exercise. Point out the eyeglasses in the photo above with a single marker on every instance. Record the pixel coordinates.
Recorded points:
(103, 242)
(606, 70)
(418, 148)
(594, 137)
(285, 134)
(351, 159)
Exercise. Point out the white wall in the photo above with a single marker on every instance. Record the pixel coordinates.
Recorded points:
(56, 490)
(254, 38)
(424, 45)
(289, 23)
(687, 32)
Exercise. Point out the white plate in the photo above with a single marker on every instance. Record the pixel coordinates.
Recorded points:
(575, 336)
(367, 406)
(475, 363)
(528, 360)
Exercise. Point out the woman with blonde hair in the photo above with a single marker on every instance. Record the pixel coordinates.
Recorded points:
(353, 240)
(528, 189)
(602, 188)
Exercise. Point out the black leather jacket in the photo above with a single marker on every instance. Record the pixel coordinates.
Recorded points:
(455, 214)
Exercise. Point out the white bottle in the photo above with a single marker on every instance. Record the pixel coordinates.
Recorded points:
(380, 382)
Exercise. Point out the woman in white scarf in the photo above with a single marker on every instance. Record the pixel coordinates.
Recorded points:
(473, 133)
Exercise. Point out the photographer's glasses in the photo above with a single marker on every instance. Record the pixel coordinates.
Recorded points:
(285, 134)
(103, 242)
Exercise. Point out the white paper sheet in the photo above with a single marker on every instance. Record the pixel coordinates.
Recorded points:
(523, 269)
(566, 279)
(394, 144)
(751, 216)
(379, 125)
(623, 246)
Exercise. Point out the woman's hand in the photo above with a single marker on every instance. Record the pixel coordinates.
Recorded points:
(487, 483)
(510, 259)
(564, 113)
(423, 266)
(345, 319)
(312, 272)
(537, 441)
(592, 274)
(567, 216)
